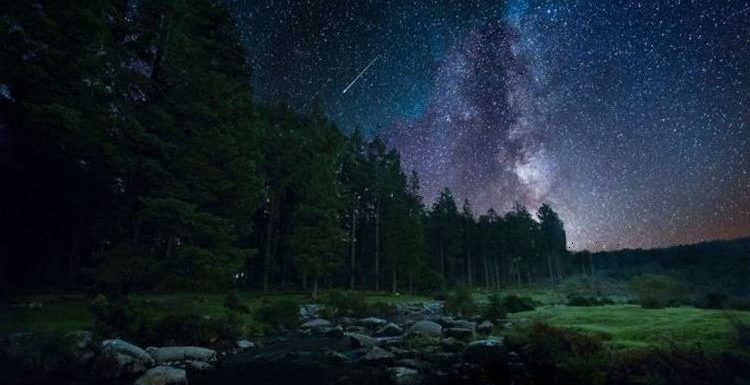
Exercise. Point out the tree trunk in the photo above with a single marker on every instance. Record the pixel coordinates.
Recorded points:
(267, 259)
(549, 268)
(469, 278)
(304, 281)
(353, 241)
(486, 268)
(315, 288)
(394, 287)
(442, 260)
(377, 247)
(411, 281)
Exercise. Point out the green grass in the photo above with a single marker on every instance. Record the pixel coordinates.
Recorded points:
(60, 313)
(631, 326)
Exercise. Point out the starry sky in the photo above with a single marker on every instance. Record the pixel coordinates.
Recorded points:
(631, 118)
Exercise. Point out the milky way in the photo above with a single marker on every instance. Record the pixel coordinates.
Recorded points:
(630, 118)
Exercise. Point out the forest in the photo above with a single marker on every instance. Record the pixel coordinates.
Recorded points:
(135, 159)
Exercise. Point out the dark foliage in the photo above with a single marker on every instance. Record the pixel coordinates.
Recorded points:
(354, 304)
(516, 304)
(579, 300)
(460, 302)
(495, 309)
(282, 312)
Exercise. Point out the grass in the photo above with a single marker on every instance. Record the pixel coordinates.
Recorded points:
(631, 326)
(60, 313)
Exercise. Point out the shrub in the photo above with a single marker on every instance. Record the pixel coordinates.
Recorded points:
(741, 329)
(516, 304)
(656, 291)
(675, 366)
(354, 304)
(578, 300)
(282, 312)
(233, 304)
(557, 355)
(192, 329)
(117, 318)
(714, 300)
(346, 303)
(37, 358)
(460, 302)
(495, 309)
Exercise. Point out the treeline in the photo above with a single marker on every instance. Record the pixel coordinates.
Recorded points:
(132, 158)
(715, 266)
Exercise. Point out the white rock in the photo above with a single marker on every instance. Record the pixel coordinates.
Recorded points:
(163, 375)
(182, 353)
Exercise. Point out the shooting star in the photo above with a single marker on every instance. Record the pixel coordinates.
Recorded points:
(359, 76)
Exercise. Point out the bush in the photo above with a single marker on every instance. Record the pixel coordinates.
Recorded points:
(516, 304)
(578, 300)
(346, 303)
(354, 304)
(676, 366)
(657, 291)
(741, 329)
(233, 304)
(495, 309)
(557, 355)
(37, 358)
(460, 302)
(192, 329)
(282, 312)
(117, 318)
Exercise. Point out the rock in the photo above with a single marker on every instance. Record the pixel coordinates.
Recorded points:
(443, 357)
(181, 353)
(310, 311)
(334, 356)
(389, 330)
(162, 375)
(485, 351)
(361, 340)
(245, 344)
(356, 329)
(405, 376)
(464, 324)
(371, 322)
(413, 363)
(81, 338)
(451, 344)
(377, 354)
(199, 365)
(460, 333)
(317, 324)
(446, 322)
(426, 328)
(335, 332)
(485, 327)
(123, 358)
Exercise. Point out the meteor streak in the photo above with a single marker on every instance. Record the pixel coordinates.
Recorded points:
(359, 76)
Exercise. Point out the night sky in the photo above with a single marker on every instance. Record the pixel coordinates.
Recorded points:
(632, 119)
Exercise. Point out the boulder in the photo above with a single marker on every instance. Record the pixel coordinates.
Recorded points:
(121, 358)
(335, 332)
(377, 354)
(199, 365)
(371, 322)
(405, 376)
(357, 329)
(426, 328)
(464, 324)
(451, 344)
(485, 327)
(389, 330)
(361, 340)
(317, 324)
(310, 311)
(163, 375)
(244, 344)
(182, 353)
(446, 322)
(460, 333)
(485, 351)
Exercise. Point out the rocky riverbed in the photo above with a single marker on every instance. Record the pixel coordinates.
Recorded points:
(419, 344)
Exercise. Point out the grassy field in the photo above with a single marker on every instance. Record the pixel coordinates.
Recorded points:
(632, 326)
(59, 313)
